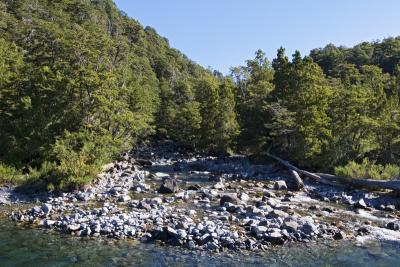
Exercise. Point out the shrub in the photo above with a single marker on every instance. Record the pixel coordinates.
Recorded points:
(81, 156)
(369, 170)
(9, 174)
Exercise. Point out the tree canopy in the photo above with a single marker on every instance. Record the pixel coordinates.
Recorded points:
(80, 82)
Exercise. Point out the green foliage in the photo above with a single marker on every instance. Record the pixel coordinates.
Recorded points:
(80, 82)
(219, 127)
(9, 174)
(81, 155)
(255, 84)
(369, 170)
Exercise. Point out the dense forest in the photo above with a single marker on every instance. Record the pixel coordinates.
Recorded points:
(80, 82)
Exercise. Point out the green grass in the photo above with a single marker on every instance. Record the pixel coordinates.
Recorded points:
(369, 170)
(10, 175)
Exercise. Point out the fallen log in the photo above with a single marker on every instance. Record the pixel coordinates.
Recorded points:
(311, 175)
(334, 180)
(365, 183)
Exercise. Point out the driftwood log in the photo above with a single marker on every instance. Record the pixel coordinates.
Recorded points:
(329, 179)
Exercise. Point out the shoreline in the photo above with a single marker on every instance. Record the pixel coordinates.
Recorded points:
(206, 203)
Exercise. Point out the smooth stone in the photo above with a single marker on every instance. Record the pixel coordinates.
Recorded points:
(124, 198)
(168, 186)
(308, 228)
(277, 214)
(275, 238)
(290, 225)
(229, 198)
(339, 235)
(393, 226)
(46, 208)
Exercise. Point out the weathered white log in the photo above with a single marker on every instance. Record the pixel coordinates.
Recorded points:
(365, 183)
(342, 181)
(311, 175)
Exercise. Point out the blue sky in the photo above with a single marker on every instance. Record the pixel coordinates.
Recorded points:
(225, 33)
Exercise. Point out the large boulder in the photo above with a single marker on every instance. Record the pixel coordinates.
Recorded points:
(309, 228)
(231, 198)
(275, 238)
(280, 185)
(168, 186)
(290, 225)
(393, 226)
(360, 204)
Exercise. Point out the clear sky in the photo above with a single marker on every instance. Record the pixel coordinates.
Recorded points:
(225, 33)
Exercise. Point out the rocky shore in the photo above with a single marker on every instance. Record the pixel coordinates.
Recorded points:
(197, 202)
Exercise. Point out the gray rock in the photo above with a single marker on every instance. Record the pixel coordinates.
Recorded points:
(393, 226)
(181, 234)
(144, 205)
(168, 186)
(49, 223)
(229, 198)
(73, 227)
(212, 246)
(272, 202)
(244, 197)
(277, 214)
(219, 186)
(204, 239)
(96, 228)
(259, 229)
(280, 185)
(327, 209)
(156, 200)
(190, 245)
(46, 208)
(390, 208)
(339, 235)
(360, 204)
(308, 228)
(275, 238)
(290, 225)
(36, 210)
(124, 198)
(170, 231)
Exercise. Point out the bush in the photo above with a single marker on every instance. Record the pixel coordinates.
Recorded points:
(81, 156)
(9, 174)
(369, 170)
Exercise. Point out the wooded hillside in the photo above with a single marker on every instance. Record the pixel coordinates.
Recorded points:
(81, 82)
